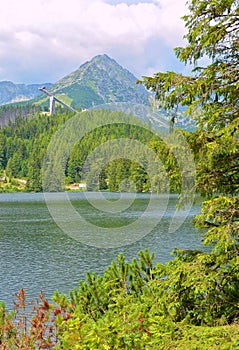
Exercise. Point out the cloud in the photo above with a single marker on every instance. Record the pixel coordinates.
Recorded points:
(43, 40)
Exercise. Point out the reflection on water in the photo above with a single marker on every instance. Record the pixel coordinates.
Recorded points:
(36, 255)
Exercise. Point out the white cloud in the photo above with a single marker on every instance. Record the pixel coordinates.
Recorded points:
(56, 36)
(170, 21)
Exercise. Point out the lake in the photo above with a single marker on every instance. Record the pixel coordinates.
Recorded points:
(39, 255)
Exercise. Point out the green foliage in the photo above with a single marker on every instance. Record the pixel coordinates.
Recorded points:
(210, 95)
(23, 146)
(188, 302)
(140, 305)
(217, 160)
(211, 92)
(202, 287)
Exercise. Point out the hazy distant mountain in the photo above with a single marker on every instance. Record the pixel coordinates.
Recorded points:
(99, 81)
(10, 92)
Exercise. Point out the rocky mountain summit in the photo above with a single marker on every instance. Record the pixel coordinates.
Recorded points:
(101, 80)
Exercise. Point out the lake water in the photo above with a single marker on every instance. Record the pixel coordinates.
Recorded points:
(36, 254)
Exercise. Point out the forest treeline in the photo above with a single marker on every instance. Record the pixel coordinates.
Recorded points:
(24, 142)
(23, 145)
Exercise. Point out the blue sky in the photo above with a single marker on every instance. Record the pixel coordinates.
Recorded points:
(44, 40)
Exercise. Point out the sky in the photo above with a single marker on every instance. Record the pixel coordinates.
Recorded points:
(44, 40)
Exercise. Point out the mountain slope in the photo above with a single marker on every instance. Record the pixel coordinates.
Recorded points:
(10, 92)
(99, 81)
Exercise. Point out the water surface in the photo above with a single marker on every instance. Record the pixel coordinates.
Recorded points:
(37, 255)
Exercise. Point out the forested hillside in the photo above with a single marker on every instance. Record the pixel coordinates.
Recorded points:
(8, 113)
(24, 144)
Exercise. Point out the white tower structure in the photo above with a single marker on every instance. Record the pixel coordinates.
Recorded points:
(53, 99)
(52, 105)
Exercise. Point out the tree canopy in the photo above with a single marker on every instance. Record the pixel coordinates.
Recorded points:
(211, 93)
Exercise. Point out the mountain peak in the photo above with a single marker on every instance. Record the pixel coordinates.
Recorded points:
(98, 81)
(101, 58)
